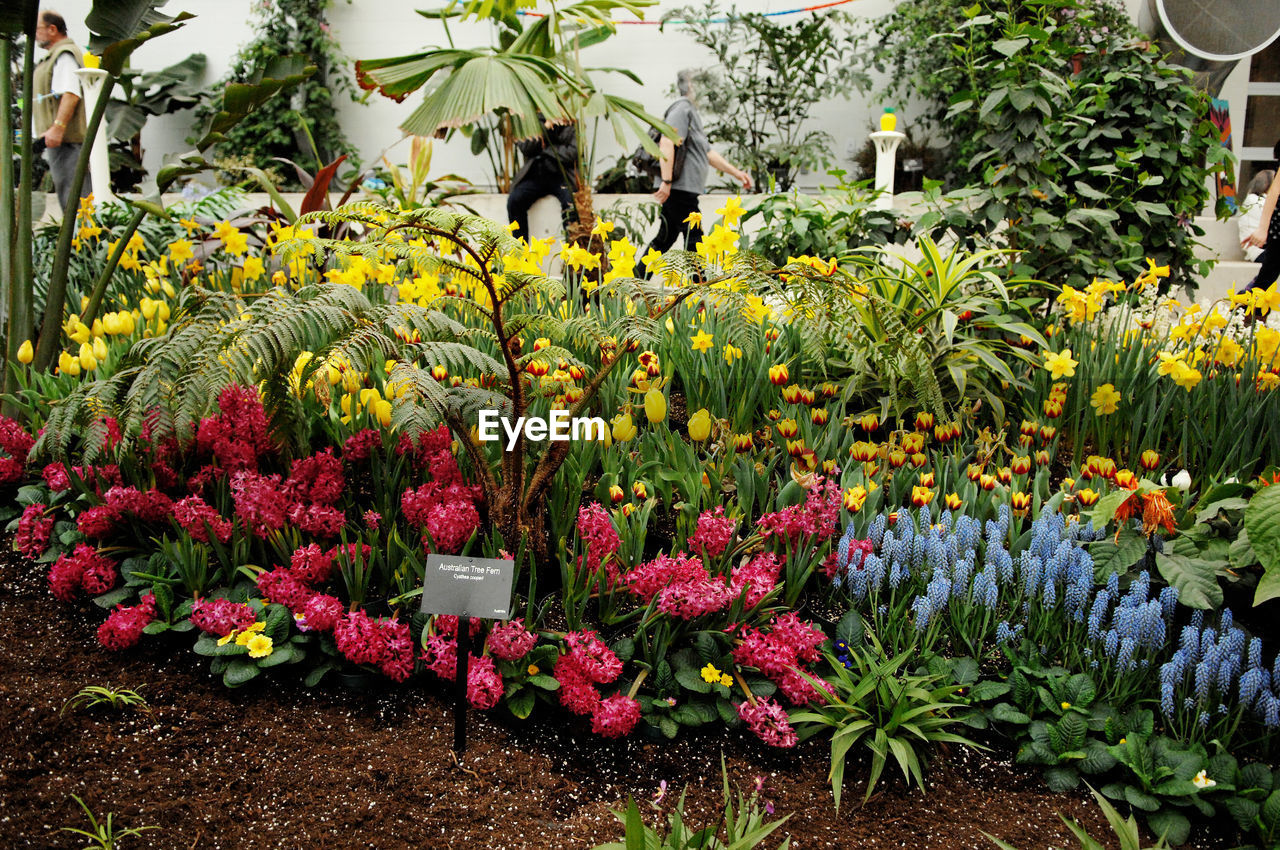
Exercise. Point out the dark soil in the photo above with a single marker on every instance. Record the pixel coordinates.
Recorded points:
(276, 765)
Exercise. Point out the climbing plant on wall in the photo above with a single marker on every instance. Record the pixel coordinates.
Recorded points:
(303, 126)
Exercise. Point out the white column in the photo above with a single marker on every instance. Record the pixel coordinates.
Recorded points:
(886, 142)
(91, 83)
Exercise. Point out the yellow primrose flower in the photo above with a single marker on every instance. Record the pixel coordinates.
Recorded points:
(710, 674)
(260, 646)
(702, 341)
(1060, 364)
(1105, 400)
(1202, 780)
(726, 680)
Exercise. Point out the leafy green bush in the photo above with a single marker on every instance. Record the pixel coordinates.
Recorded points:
(890, 710)
(1091, 151)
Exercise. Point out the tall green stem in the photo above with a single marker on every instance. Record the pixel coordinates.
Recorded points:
(100, 285)
(20, 283)
(51, 327)
(7, 271)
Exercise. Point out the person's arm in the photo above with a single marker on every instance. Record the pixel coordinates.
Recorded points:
(724, 166)
(666, 162)
(66, 111)
(1258, 238)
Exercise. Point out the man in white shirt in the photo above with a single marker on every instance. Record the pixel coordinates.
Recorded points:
(58, 113)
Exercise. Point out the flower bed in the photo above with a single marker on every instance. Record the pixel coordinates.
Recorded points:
(809, 482)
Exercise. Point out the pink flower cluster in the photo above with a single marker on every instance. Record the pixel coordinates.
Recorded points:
(384, 644)
(16, 443)
(221, 617)
(597, 531)
(320, 614)
(755, 578)
(769, 721)
(293, 586)
(448, 513)
(98, 522)
(123, 627)
(814, 520)
(432, 450)
(260, 502)
(240, 434)
(314, 484)
(34, 531)
(511, 641)
(714, 533)
(360, 445)
(200, 520)
(685, 589)
(84, 569)
(590, 662)
(781, 653)
(99, 477)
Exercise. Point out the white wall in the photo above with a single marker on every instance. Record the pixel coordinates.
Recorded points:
(380, 28)
(369, 29)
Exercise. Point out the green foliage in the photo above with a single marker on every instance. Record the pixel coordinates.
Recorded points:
(830, 224)
(770, 75)
(93, 695)
(105, 835)
(1086, 145)
(934, 334)
(892, 712)
(305, 129)
(741, 826)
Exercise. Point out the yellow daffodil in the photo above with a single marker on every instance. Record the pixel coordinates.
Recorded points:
(693, 219)
(180, 250)
(732, 211)
(1105, 400)
(1060, 364)
(702, 341)
(731, 353)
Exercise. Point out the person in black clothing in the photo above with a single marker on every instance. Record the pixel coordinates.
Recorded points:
(678, 193)
(550, 166)
(1267, 236)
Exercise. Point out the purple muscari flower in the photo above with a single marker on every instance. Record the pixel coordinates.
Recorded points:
(1204, 678)
(1168, 601)
(1124, 659)
(1111, 642)
(1203, 720)
(1004, 634)
(1255, 652)
(1250, 686)
(1113, 585)
(1272, 716)
(1226, 620)
(1166, 699)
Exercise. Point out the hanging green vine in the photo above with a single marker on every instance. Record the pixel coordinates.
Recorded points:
(303, 126)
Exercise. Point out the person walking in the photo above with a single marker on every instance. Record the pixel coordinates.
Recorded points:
(58, 115)
(550, 166)
(678, 193)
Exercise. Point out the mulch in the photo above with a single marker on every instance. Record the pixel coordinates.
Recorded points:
(278, 765)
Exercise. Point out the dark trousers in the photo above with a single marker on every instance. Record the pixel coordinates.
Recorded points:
(62, 165)
(1270, 256)
(672, 224)
(528, 190)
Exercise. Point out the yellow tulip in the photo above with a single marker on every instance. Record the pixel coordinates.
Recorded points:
(655, 406)
(68, 365)
(162, 310)
(111, 323)
(381, 410)
(149, 308)
(99, 349)
(700, 425)
(623, 427)
(25, 352)
(88, 361)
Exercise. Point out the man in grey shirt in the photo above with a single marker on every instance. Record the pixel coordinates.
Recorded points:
(678, 194)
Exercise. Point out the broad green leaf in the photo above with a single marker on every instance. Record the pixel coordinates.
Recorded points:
(1195, 579)
(1112, 556)
(1262, 522)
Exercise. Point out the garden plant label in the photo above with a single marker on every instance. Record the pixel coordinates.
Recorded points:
(468, 587)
